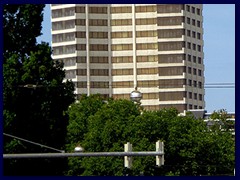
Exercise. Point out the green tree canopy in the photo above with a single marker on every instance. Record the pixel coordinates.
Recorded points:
(35, 114)
(190, 149)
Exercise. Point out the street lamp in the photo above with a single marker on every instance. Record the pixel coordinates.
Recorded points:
(78, 149)
(136, 95)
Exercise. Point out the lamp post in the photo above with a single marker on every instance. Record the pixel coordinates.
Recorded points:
(78, 149)
(136, 96)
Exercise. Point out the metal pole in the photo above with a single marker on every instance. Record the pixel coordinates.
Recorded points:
(127, 160)
(160, 158)
(90, 154)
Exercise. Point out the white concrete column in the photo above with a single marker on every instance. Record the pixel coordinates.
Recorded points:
(87, 50)
(109, 50)
(134, 46)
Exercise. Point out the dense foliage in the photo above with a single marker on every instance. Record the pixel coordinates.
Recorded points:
(35, 114)
(190, 148)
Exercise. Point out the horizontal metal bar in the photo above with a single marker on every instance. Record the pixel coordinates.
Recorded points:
(90, 154)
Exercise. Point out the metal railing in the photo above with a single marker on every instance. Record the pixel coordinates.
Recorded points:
(128, 154)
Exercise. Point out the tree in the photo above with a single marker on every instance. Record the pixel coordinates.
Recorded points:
(84, 116)
(221, 117)
(36, 114)
(190, 149)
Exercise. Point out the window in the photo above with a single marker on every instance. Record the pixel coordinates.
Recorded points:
(140, 9)
(81, 59)
(200, 85)
(146, 21)
(98, 35)
(58, 50)
(194, 34)
(193, 9)
(169, 46)
(81, 47)
(116, 72)
(70, 74)
(190, 82)
(194, 59)
(98, 47)
(121, 34)
(80, 22)
(99, 59)
(173, 58)
(70, 36)
(200, 72)
(198, 35)
(189, 57)
(80, 9)
(82, 84)
(99, 72)
(199, 48)
(122, 59)
(115, 10)
(122, 84)
(198, 11)
(121, 47)
(190, 95)
(195, 107)
(69, 24)
(193, 22)
(97, 22)
(195, 96)
(171, 71)
(189, 45)
(198, 24)
(169, 8)
(148, 34)
(70, 49)
(188, 20)
(56, 13)
(190, 106)
(81, 72)
(98, 10)
(81, 34)
(69, 62)
(146, 46)
(199, 60)
(188, 8)
(147, 83)
(121, 22)
(147, 58)
(188, 33)
(194, 46)
(189, 70)
(194, 71)
(69, 11)
(57, 25)
(195, 83)
(99, 84)
(169, 21)
(147, 71)
(57, 38)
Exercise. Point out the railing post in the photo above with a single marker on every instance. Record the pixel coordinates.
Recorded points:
(128, 159)
(160, 158)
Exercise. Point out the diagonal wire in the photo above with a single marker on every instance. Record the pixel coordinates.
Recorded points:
(31, 142)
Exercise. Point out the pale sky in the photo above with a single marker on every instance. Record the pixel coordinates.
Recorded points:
(219, 53)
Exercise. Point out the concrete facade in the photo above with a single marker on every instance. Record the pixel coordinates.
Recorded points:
(112, 48)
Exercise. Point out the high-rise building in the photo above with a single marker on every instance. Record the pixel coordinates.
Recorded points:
(113, 48)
